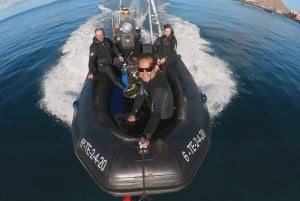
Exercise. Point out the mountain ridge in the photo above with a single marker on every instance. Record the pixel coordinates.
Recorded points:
(273, 6)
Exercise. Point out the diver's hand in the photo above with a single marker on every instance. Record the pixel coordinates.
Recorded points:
(90, 76)
(143, 143)
(131, 118)
(163, 60)
(121, 58)
(158, 62)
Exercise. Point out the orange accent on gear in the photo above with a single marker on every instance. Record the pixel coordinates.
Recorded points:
(127, 198)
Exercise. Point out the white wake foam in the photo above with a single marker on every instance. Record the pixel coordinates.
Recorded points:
(211, 74)
(63, 82)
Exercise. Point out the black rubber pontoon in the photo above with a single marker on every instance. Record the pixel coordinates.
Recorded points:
(112, 157)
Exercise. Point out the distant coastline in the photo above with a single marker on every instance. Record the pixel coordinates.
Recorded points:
(274, 7)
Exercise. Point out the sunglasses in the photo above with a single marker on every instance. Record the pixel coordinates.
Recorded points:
(146, 69)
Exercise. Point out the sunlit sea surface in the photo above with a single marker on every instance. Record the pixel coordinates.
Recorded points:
(244, 59)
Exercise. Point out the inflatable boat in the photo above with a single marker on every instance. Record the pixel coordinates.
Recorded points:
(107, 146)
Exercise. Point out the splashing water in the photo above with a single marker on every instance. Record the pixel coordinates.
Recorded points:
(63, 82)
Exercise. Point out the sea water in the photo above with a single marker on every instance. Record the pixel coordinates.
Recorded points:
(244, 59)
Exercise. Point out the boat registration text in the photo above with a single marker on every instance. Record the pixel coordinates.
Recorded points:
(92, 154)
(193, 145)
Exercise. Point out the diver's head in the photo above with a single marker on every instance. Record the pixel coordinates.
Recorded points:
(168, 30)
(125, 10)
(147, 69)
(99, 34)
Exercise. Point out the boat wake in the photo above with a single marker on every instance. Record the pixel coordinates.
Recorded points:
(211, 74)
(62, 84)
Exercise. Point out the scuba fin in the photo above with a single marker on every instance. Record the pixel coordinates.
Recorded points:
(135, 87)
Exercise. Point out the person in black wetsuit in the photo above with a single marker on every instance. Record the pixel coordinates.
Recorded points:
(157, 97)
(102, 52)
(165, 47)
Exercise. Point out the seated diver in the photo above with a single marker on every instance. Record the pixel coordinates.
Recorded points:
(165, 47)
(157, 97)
(102, 52)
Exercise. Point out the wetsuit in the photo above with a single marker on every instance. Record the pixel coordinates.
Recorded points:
(101, 59)
(159, 100)
(165, 47)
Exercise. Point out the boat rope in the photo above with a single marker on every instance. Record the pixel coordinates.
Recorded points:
(143, 169)
(144, 196)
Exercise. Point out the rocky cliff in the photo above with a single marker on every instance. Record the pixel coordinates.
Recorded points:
(271, 5)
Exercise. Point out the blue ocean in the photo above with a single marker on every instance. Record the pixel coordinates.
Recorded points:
(244, 59)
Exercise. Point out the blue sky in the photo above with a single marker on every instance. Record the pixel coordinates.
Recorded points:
(292, 4)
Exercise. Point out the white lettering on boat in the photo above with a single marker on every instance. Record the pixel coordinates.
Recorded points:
(92, 154)
(193, 145)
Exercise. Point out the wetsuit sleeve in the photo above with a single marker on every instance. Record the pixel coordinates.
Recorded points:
(152, 124)
(172, 57)
(93, 60)
(115, 49)
(138, 102)
(160, 97)
(158, 48)
(174, 45)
